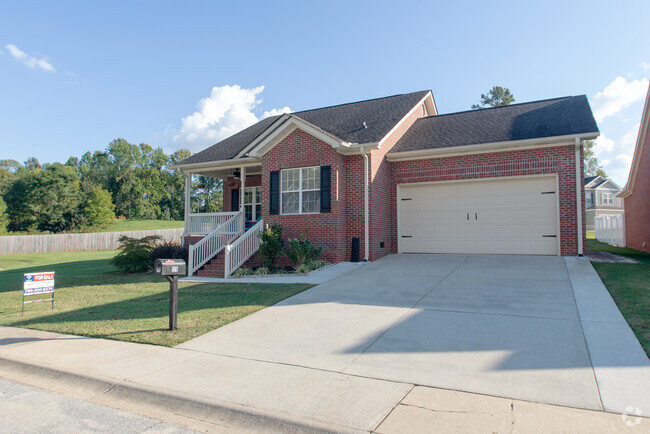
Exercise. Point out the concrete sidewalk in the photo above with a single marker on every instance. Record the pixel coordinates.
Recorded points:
(216, 393)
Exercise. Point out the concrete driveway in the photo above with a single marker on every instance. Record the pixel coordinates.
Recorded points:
(500, 325)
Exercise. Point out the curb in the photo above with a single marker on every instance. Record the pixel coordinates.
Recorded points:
(130, 396)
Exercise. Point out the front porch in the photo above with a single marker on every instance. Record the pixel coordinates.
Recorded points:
(221, 242)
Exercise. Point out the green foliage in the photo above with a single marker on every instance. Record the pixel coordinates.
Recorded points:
(241, 272)
(300, 250)
(169, 250)
(302, 269)
(592, 165)
(4, 217)
(272, 245)
(497, 96)
(262, 271)
(99, 209)
(45, 199)
(62, 197)
(135, 255)
(315, 265)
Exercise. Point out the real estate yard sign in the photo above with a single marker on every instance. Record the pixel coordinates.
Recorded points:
(36, 284)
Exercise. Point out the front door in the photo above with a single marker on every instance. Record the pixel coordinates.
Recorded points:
(252, 203)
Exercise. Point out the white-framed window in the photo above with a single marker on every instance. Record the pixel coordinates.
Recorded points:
(588, 199)
(300, 190)
(606, 198)
(252, 203)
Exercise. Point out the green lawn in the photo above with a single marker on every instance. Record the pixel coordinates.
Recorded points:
(91, 299)
(120, 226)
(629, 285)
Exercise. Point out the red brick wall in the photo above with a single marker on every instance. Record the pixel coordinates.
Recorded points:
(637, 205)
(329, 230)
(381, 217)
(556, 160)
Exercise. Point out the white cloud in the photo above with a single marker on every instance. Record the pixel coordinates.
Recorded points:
(618, 95)
(275, 112)
(603, 145)
(645, 66)
(616, 156)
(31, 62)
(228, 110)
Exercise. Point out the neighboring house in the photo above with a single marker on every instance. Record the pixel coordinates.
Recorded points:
(636, 194)
(396, 177)
(600, 199)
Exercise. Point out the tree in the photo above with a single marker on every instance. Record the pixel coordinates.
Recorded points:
(4, 217)
(592, 165)
(497, 96)
(98, 209)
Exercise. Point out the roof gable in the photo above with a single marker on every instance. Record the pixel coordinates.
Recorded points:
(535, 120)
(359, 122)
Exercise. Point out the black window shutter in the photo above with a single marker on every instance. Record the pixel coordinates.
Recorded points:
(274, 196)
(326, 189)
(234, 199)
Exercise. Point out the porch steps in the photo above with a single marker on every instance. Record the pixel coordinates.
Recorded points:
(215, 267)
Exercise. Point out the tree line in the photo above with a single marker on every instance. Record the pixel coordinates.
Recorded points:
(124, 181)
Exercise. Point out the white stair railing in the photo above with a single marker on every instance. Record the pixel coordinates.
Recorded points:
(204, 223)
(206, 249)
(243, 248)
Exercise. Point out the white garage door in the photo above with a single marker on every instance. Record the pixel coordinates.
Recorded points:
(507, 216)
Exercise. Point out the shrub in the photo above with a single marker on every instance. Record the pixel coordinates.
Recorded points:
(135, 255)
(300, 250)
(302, 269)
(262, 271)
(272, 245)
(98, 208)
(169, 250)
(315, 265)
(241, 272)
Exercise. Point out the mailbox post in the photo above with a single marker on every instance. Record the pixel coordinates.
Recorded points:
(171, 269)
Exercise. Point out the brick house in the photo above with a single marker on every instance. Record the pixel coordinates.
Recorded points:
(636, 194)
(397, 177)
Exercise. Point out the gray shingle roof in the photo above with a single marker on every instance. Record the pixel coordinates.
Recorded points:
(539, 119)
(344, 121)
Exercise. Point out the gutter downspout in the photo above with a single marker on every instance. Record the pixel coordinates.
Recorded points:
(366, 213)
(579, 195)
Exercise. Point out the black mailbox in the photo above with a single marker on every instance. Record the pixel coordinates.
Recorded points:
(170, 267)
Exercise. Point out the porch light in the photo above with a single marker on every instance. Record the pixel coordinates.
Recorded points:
(236, 174)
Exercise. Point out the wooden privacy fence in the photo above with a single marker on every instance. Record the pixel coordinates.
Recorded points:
(77, 242)
(610, 229)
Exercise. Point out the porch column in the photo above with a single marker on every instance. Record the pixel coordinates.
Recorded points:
(186, 218)
(243, 186)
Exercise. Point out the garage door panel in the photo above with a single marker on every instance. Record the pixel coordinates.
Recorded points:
(505, 216)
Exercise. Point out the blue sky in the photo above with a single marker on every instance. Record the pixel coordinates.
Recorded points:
(75, 75)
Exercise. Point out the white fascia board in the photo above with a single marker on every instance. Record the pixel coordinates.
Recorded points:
(272, 128)
(428, 97)
(484, 148)
(355, 148)
(219, 165)
(640, 140)
(291, 124)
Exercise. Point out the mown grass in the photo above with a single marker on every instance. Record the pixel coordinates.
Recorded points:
(92, 299)
(117, 226)
(629, 285)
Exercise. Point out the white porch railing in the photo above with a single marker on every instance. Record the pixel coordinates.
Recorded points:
(214, 242)
(204, 223)
(243, 248)
(611, 229)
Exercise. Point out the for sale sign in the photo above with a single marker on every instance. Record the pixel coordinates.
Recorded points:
(38, 283)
